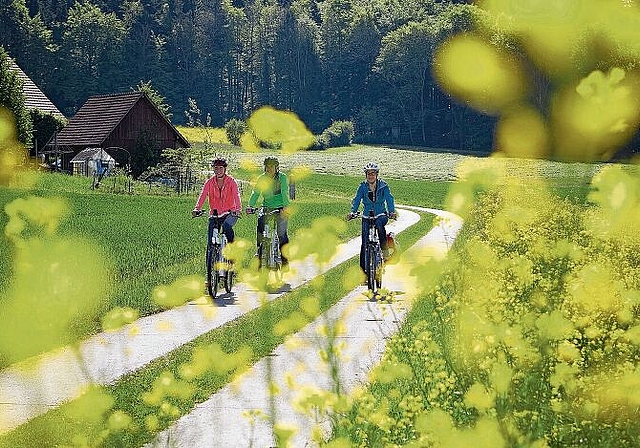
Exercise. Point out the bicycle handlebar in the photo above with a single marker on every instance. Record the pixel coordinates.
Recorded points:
(360, 215)
(260, 210)
(199, 213)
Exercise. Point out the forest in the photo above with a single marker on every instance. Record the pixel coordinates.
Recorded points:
(367, 61)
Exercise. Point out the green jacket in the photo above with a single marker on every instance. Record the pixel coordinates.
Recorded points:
(275, 192)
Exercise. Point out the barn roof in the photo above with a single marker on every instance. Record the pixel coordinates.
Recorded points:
(34, 98)
(99, 116)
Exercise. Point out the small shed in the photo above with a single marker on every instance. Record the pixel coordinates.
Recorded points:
(92, 161)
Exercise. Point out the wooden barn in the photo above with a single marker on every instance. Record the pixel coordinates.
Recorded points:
(117, 123)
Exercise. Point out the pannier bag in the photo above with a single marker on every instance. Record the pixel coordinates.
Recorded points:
(392, 248)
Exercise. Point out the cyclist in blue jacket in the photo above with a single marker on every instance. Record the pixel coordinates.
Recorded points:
(374, 193)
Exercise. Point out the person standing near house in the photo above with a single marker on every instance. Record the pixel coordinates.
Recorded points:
(221, 190)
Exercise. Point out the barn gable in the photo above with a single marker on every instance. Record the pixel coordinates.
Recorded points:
(34, 98)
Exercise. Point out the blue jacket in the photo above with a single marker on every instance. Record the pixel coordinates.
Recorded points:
(382, 196)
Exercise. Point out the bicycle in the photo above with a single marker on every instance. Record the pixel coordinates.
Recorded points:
(269, 255)
(374, 261)
(219, 269)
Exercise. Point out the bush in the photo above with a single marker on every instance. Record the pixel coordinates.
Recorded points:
(44, 126)
(235, 128)
(340, 133)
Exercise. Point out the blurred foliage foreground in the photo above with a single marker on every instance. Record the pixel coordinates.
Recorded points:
(528, 334)
(531, 336)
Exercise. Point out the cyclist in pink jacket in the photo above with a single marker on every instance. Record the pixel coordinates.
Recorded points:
(221, 190)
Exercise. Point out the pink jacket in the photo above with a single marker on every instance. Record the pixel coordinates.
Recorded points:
(221, 199)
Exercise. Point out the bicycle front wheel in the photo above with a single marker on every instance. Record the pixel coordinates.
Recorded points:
(213, 276)
(371, 268)
(263, 253)
(379, 269)
(229, 279)
(276, 258)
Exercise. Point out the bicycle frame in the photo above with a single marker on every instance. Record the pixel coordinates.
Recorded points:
(373, 262)
(269, 246)
(218, 267)
(218, 238)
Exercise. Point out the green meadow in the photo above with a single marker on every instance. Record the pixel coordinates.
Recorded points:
(150, 240)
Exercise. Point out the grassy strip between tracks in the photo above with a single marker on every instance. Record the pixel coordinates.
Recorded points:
(252, 333)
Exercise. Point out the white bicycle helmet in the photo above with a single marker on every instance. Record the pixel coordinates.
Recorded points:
(371, 166)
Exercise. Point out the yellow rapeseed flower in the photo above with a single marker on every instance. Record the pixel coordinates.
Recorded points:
(282, 129)
(496, 81)
(479, 397)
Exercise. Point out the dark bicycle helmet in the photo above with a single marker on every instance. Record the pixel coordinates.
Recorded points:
(219, 161)
(271, 161)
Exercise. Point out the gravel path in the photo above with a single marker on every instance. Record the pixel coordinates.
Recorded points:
(298, 368)
(33, 387)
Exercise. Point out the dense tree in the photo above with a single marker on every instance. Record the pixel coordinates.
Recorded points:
(362, 60)
(337, 17)
(181, 55)
(92, 43)
(421, 113)
(26, 39)
(389, 15)
(44, 126)
(158, 100)
(286, 65)
(145, 154)
(364, 45)
(404, 66)
(214, 45)
(145, 39)
(306, 78)
(51, 12)
(263, 20)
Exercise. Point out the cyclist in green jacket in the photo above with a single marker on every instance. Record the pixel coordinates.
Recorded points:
(273, 187)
